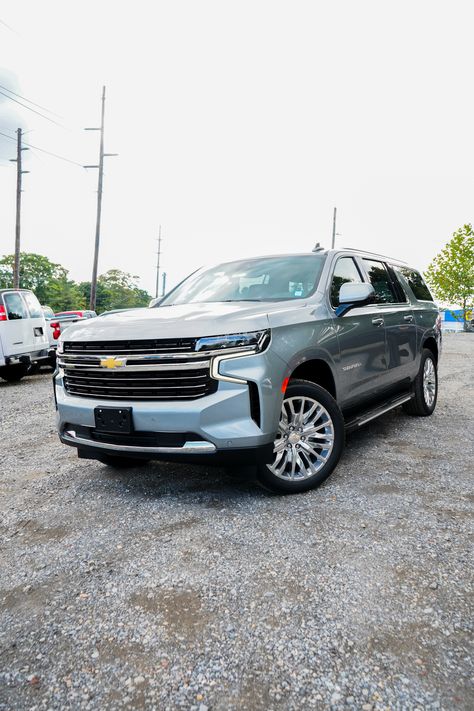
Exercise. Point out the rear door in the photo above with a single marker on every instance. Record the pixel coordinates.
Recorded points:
(398, 320)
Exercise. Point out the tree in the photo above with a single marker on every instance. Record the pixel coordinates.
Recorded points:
(451, 273)
(116, 290)
(49, 281)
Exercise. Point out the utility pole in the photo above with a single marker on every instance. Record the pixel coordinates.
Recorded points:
(19, 173)
(158, 264)
(164, 284)
(334, 228)
(102, 155)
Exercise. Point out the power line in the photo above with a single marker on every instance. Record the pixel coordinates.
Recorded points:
(38, 106)
(102, 155)
(19, 173)
(50, 153)
(33, 110)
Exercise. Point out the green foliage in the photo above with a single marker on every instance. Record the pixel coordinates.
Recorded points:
(451, 273)
(50, 283)
(116, 290)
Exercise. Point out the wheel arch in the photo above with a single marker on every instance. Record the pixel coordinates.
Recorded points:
(430, 343)
(317, 371)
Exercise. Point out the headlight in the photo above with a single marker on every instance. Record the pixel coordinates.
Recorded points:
(255, 341)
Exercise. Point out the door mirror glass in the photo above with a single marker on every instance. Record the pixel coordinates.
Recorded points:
(357, 294)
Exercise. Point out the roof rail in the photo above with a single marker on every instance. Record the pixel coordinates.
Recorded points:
(374, 254)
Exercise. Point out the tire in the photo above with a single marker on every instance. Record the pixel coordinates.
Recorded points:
(425, 387)
(121, 462)
(303, 462)
(13, 373)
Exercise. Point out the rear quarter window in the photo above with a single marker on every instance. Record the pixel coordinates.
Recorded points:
(415, 282)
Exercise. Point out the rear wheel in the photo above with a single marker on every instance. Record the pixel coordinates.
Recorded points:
(13, 373)
(425, 387)
(309, 441)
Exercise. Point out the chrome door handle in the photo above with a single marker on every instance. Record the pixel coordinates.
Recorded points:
(408, 317)
(378, 321)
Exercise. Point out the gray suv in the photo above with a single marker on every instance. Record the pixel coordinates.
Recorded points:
(265, 360)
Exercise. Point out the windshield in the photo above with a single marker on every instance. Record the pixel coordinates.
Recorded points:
(265, 279)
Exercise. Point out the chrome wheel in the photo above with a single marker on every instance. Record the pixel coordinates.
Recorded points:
(429, 382)
(304, 441)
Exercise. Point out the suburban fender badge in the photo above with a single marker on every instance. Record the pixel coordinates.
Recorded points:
(112, 362)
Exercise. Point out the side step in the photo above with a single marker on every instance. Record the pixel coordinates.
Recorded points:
(369, 415)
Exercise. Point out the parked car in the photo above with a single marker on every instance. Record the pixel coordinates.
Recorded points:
(23, 334)
(76, 314)
(53, 331)
(267, 360)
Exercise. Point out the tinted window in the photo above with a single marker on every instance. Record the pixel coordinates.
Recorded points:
(15, 307)
(345, 272)
(266, 279)
(380, 280)
(397, 285)
(416, 284)
(33, 304)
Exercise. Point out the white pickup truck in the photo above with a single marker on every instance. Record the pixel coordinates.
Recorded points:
(23, 334)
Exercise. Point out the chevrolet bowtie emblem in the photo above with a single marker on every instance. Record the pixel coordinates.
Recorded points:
(112, 362)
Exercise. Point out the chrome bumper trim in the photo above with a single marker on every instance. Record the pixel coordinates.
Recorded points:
(188, 447)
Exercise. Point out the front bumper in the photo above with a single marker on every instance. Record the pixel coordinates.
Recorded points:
(218, 428)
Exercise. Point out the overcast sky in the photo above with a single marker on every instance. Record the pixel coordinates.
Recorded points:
(240, 125)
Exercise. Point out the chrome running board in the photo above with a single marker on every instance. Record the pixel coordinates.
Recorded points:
(370, 415)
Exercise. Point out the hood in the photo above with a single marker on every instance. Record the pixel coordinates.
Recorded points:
(179, 321)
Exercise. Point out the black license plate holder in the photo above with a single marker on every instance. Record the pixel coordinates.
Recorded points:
(113, 419)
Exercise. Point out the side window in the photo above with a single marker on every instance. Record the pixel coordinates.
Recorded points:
(346, 271)
(397, 284)
(33, 304)
(416, 284)
(380, 280)
(15, 307)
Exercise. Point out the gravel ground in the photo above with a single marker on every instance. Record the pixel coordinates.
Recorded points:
(177, 587)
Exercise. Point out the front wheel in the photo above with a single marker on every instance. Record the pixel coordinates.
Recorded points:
(309, 441)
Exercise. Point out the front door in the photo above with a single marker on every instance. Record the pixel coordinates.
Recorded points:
(361, 336)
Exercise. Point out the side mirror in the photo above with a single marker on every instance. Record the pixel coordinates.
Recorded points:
(354, 294)
(351, 292)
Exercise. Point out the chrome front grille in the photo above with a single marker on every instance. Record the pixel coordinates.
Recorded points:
(158, 346)
(136, 370)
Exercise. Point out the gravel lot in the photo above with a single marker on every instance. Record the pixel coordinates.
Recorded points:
(177, 587)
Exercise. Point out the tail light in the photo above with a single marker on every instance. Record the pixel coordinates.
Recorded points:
(56, 326)
(3, 313)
